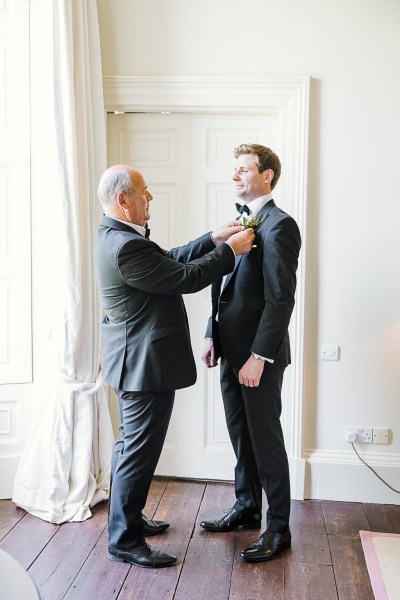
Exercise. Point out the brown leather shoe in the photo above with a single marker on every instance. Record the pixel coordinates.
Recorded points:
(151, 527)
(267, 546)
(234, 519)
(142, 555)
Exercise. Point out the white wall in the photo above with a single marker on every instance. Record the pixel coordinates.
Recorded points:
(352, 52)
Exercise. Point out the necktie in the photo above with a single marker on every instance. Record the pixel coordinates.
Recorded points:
(242, 208)
(147, 232)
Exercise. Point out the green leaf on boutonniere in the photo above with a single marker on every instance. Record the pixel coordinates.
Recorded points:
(251, 222)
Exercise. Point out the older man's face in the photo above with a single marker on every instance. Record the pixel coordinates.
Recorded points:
(137, 203)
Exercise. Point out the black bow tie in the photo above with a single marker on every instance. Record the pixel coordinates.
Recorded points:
(242, 208)
(147, 232)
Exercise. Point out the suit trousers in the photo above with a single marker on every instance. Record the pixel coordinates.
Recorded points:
(143, 422)
(253, 420)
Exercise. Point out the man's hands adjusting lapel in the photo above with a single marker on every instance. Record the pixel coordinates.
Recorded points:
(238, 238)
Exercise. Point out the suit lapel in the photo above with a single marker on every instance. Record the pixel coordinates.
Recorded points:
(264, 213)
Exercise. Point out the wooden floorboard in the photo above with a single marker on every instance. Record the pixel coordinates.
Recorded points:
(325, 562)
(27, 539)
(61, 560)
(99, 578)
(179, 505)
(309, 582)
(208, 563)
(344, 518)
(351, 575)
(383, 518)
(259, 581)
(10, 515)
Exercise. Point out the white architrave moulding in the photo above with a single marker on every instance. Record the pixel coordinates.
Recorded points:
(289, 98)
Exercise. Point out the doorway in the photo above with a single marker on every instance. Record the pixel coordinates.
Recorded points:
(187, 161)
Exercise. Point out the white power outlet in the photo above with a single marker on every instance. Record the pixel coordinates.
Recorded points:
(363, 434)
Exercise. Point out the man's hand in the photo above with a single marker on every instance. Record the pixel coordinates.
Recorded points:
(208, 356)
(241, 242)
(221, 234)
(250, 373)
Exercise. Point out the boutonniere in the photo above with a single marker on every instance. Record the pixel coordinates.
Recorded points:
(251, 222)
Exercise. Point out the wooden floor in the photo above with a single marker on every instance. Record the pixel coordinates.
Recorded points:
(325, 562)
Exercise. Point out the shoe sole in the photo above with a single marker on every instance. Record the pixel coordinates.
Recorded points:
(267, 556)
(122, 560)
(115, 558)
(225, 529)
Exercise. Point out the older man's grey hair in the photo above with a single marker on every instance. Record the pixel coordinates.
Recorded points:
(111, 184)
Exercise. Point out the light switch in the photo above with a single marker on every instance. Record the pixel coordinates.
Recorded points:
(330, 352)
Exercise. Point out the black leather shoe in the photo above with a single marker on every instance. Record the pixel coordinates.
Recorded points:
(153, 527)
(234, 519)
(143, 555)
(267, 546)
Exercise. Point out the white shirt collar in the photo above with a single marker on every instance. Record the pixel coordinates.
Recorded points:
(257, 204)
(138, 228)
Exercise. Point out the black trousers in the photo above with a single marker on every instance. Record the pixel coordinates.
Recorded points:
(143, 422)
(253, 420)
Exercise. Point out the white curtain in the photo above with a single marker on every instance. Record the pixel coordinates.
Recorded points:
(65, 466)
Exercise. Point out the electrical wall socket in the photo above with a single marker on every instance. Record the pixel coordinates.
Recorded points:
(363, 435)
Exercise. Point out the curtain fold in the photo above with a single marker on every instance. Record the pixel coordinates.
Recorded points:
(65, 466)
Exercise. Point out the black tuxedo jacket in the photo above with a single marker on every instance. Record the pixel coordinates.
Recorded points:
(146, 340)
(257, 300)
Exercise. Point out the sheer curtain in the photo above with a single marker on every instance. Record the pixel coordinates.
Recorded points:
(65, 466)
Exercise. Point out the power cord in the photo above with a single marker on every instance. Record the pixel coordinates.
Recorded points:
(374, 472)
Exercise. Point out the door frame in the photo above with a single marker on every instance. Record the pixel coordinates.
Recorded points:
(287, 96)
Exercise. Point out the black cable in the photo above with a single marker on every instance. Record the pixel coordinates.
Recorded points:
(375, 473)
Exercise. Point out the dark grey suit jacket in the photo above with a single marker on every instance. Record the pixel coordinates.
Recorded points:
(146, 340)
(256, 304)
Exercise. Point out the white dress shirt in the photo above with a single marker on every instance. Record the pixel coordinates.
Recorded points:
(257, 204)
(138, 228)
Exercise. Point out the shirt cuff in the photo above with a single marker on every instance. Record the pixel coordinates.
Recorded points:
(211, 236)
(258, 357)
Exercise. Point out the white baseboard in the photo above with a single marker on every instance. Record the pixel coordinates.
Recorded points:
(297, 477)
(342, 476)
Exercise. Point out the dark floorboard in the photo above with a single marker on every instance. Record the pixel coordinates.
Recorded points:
(326, 561)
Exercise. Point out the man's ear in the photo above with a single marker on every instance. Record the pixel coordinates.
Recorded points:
(121, 200)
(268, 176)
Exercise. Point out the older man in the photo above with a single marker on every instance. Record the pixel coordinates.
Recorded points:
(146, 343)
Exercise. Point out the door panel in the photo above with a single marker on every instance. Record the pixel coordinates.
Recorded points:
(15, 237)
(187, 161)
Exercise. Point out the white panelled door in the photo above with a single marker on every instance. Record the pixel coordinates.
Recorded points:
(187, 161)
(15, 238)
